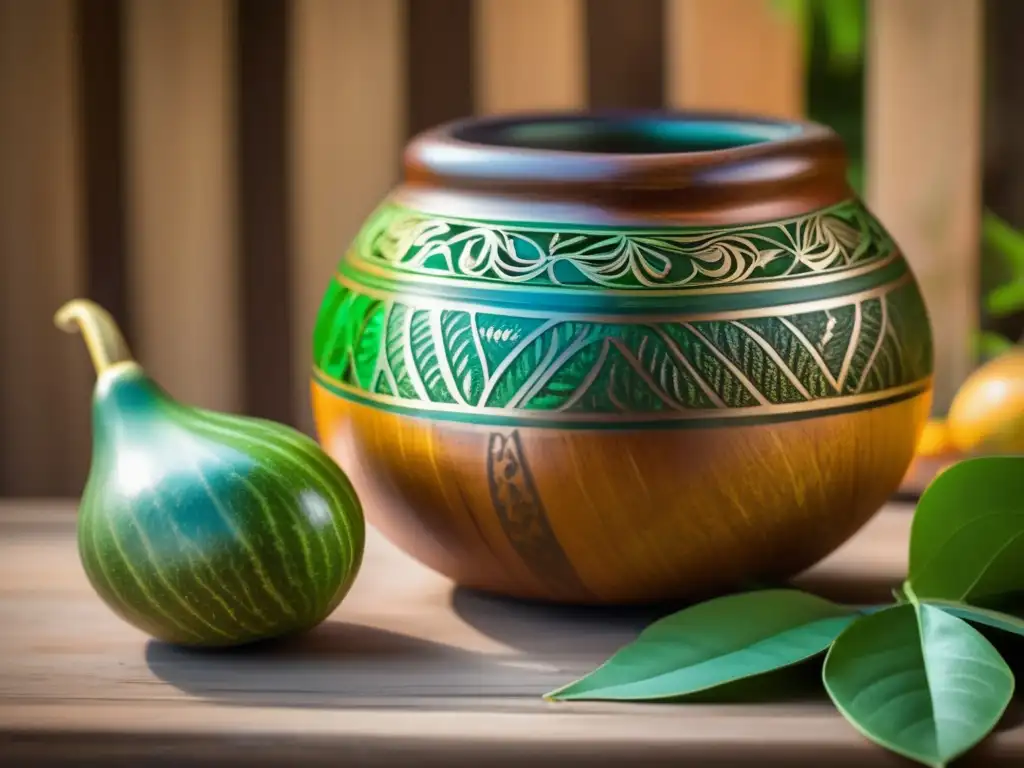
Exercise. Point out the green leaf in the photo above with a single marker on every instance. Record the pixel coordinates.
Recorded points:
(713, 643)
(844, 26)
(989, 344)
(899, 594)
(1005, 299)
(967, 536)
(1007, 622)
(798, 12)
(918, 681)
(795, 9)
(998, 235)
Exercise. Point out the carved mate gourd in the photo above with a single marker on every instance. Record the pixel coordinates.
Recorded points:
(622, 357)
(203, 528)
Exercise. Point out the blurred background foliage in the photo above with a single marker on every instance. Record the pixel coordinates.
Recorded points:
(834, 45)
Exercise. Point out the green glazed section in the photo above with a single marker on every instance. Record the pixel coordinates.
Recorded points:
(488, 348)
(411, 243)
(540, 301)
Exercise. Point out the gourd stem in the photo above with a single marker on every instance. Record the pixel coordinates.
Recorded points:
(103, 338)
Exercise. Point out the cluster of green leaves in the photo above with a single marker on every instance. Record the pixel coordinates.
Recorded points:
(834, 33)
(1002, 278)
(842, 22)
(916, 676)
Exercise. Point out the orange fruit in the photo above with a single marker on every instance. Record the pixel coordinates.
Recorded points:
(987, 413)
(935, 439)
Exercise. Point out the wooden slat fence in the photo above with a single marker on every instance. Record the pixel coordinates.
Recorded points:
(199, 165)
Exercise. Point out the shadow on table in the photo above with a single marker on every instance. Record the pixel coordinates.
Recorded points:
(335, 665)
(545, 629)
(845, 588)
(579, 638)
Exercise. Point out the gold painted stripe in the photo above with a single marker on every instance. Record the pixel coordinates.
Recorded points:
(811, 350)
(824, 404)
(431, 302)
(443, 364)
(639, 370)
(780, 282)
(589, 379)
(776, 358)
(729, 364)
(879, 343)
(500, 369)
(679, 357)
(578, 342)
(851, 347)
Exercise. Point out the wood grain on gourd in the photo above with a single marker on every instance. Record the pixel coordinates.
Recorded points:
(639, 516)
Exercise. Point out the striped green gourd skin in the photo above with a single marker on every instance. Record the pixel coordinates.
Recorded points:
(209, 529)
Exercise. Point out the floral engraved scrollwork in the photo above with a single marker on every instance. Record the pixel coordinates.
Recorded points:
(829, 240)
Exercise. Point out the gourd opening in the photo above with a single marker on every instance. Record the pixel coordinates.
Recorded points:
(637, 134)
(683, 166)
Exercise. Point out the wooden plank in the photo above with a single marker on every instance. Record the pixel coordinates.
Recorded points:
(626, 58)
(924, 84)
(349, 127)
(529, 55)
(734, 55)
(183, 274)
(44, 380)
(262, 80)
(407, 667)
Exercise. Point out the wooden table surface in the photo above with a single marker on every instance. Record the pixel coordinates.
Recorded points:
(407, 670)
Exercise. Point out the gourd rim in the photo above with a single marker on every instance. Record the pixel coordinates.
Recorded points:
(625, 149)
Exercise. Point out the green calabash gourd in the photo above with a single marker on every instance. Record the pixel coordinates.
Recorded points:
(203, 528)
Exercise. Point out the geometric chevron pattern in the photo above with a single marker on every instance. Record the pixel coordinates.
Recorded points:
(397, 351)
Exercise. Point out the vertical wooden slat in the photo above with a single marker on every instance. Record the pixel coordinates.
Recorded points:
(924, 72)
(349, 123)
(264, 237)
(734, 55)
(44, 383)
(530, 55)
(101, 78)
(625, 54)
(181, 196)
(439, 62)
(1003, 121)
(1004, 110)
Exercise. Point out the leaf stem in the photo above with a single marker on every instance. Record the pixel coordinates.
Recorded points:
(909, 594)
(103, 338)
